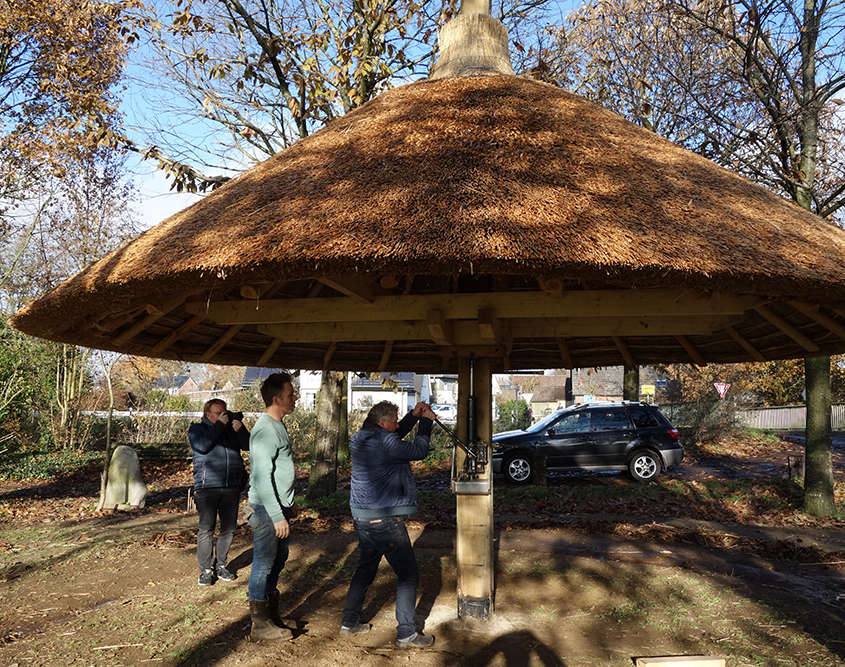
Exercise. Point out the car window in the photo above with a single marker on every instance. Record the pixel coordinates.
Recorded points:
(573, 423)
(604, 420)
(643, 418)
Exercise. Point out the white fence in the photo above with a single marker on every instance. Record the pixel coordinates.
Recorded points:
(790, 417)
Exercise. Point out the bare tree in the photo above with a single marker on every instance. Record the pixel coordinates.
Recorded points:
(751, 85)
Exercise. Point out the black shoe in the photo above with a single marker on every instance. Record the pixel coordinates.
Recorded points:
(206, 578)
(359, 629)
(224, 574)
(418, 641)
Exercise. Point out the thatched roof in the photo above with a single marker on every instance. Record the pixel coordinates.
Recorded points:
(490, 215)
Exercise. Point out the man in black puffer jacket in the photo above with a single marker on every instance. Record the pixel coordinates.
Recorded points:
(216, 444)
(383, 494)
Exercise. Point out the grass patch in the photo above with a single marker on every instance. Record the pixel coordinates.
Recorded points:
(27, 464)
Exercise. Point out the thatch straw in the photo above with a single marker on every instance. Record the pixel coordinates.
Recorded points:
(481, 176)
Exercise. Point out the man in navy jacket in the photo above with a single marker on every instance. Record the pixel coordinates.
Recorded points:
(383, 494)
(216, 444)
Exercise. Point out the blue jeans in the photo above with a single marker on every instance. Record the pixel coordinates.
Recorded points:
(210, 503)
(269, 554)
(386, 537)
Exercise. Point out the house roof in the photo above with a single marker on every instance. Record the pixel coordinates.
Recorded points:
(549, 394)
(495, 216)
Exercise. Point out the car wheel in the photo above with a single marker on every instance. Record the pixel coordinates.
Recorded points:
(519, 469)
(644, 466)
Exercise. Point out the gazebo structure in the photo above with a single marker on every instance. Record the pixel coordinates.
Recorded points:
(466, 222)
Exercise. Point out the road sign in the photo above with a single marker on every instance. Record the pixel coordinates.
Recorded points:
(722, 388)
(647, 390)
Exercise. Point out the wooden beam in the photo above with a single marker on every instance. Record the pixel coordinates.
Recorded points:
(327, 357)
(748, 347)
(622, 346)
(385, 356)
(165, 343)
(599, 304)
(787, 328)
(565, 356)
(210, 353)
(473, 331)
(694, 354)
(269, 352)
(814, 313)
(488, 325)
(440, 329)
(152, 316)
(359, 290)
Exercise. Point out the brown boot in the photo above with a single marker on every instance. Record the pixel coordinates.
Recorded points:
(262, 625)
(273, 605)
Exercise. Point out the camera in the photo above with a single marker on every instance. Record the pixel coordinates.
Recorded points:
(234, 416)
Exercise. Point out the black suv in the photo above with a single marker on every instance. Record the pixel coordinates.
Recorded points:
(592, 436)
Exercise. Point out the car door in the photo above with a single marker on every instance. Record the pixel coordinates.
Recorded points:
(565, 441)
(611, 431)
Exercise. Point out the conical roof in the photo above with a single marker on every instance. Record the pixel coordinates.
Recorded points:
(490, 215)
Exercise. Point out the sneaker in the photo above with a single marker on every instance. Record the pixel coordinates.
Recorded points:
(417, 641)
(359, 629)
(206, 578)
(224, 574)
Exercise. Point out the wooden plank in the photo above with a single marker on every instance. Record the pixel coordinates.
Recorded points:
(681, 661)
(610, 303)
(474, 544)
(788, 329)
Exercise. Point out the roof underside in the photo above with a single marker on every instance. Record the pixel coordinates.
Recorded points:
(487, 216)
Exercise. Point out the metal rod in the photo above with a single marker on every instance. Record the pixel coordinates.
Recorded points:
(457, 440)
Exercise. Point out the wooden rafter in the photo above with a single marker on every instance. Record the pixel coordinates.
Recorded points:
(814, 313)
(694, 354)
(622, 346)
(166, 342)
(748, 347)
(565, 355)
(269, 352)
(359, 290)
(787, 328)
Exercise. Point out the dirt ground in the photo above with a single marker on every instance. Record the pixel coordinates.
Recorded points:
(585, 591)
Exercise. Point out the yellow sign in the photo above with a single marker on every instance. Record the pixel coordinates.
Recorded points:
(647, 390)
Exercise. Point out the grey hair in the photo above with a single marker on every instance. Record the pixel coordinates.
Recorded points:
(382, 410)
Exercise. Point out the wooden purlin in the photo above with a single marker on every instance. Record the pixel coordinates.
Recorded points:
(623, 350)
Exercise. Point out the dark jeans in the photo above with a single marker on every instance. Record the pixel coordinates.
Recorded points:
(386, 537)
(222, 501)
(269, 554)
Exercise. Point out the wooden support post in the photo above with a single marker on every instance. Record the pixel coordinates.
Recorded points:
(475, 511)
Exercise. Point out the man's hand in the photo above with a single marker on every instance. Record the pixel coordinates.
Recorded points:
(223, 418)
(282, 529)
(237, 425)
(428, 413)
(418, 409)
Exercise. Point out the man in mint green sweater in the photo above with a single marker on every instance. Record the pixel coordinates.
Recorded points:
(271, 481)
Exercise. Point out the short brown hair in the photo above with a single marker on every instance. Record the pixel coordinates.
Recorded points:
(207, 407)
(274, 385)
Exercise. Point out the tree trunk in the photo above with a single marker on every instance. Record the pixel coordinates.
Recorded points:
(322, 479)
(343, 428)
(631, 384)
(818, 475)
(104, 477)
